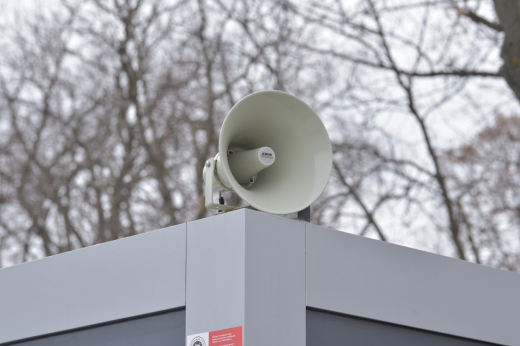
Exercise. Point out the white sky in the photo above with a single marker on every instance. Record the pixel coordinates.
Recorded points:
(9, 8)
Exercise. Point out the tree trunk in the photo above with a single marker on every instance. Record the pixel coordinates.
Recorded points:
(509, 13)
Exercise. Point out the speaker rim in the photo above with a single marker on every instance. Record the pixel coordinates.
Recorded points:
(227, 170)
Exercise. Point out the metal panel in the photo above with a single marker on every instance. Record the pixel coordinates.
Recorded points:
(215, 291)
(376, 280)
(120, 279)
(275, 280)
(332, 329)
(247, 268)
(166, 329)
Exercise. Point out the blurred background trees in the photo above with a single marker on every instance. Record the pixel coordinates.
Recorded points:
(109, 109)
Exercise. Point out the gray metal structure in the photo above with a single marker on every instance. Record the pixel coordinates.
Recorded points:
(285, 282)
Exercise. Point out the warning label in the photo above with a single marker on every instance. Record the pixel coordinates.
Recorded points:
(225, 337)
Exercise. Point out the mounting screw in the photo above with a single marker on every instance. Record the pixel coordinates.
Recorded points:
(208, 164)
(230, 152)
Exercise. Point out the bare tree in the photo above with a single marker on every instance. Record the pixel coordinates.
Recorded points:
(484, 180)
(112, 108)
(109, 110)
(410, 63)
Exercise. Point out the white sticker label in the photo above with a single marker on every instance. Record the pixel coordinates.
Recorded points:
(266, 156)
(201, 339)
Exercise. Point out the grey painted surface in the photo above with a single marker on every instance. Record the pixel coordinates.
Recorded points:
(331, 329)
(372, 279)
(166, 329)
(247, 268)
(120, 279)
(275, 280)
(215, 290)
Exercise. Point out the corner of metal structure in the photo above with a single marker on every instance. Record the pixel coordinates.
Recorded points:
(247, 269)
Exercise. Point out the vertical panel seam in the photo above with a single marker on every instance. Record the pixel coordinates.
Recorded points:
(306, 297)
(186, 284)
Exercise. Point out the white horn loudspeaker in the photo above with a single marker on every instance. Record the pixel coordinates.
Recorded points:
(274, 152)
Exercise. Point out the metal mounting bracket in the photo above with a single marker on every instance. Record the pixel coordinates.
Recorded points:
(208, 193)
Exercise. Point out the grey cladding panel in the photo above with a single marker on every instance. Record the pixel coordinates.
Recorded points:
(247, 268)
(275, 280)
(380, 281)
(165, 329)
(120, 279)
(331, 329)
(215, 282)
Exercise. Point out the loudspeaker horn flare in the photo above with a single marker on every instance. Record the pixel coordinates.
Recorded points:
(274, 152)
